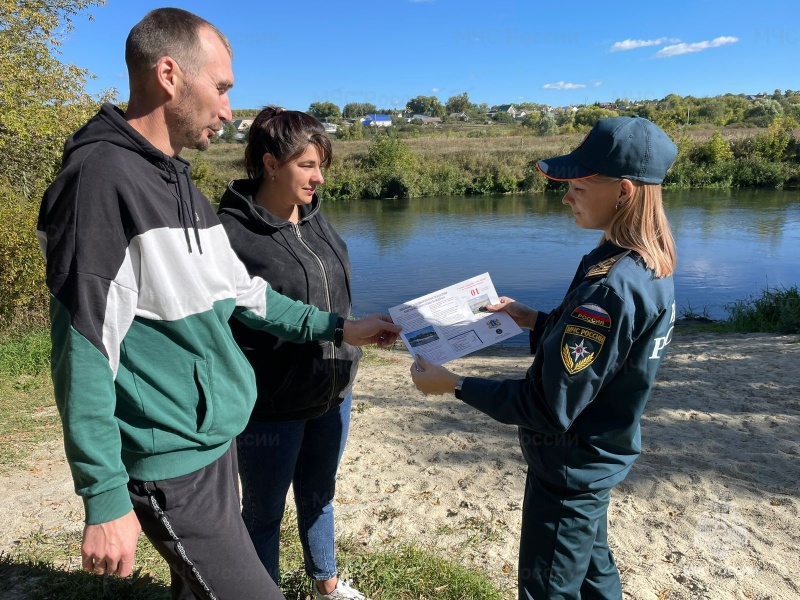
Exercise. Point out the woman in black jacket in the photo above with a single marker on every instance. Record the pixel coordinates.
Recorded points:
(300, 422)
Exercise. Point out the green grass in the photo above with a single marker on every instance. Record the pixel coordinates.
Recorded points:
(777, 310)
(24, 354)
(47, 567)
(28, 417)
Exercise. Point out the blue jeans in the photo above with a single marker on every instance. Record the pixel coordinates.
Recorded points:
(306, 455)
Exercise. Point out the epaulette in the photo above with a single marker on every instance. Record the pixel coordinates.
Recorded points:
(602, 268)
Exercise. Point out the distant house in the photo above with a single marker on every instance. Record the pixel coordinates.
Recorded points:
(242, 125)
(459, 116)
(506, 108)
(426, 120)
(377, 121)
(330, 127)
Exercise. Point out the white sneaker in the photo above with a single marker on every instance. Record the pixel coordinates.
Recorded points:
(343, 591)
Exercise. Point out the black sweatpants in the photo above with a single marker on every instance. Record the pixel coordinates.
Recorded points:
(195, 523)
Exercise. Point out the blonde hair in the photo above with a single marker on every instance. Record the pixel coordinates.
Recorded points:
(641, 225)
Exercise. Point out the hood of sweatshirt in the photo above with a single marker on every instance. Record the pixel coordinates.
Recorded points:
(109, 126)
(239, 202)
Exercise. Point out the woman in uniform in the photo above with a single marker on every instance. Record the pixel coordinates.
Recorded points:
(579, 406)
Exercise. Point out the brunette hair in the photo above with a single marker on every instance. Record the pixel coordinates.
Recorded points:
(285, 134)
(641, 225)
(167, 32)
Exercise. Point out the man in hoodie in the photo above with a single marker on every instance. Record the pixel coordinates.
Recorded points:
(150, 385)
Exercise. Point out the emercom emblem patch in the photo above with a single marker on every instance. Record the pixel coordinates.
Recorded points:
(580, 346)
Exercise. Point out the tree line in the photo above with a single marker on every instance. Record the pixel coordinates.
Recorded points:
(726, 110)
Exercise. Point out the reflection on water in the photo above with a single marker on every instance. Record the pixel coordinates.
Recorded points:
(731, 245)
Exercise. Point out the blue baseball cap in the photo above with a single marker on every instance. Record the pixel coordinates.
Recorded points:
(625, 147)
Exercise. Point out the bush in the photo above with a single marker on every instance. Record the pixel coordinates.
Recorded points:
(23, 294)
(776, 311)
(759, 173)
(482, 183)
(392, 169)
(342, 182)
(504, 180)
(208, 181)
(773, 144)
(445, 179)
(715, 151)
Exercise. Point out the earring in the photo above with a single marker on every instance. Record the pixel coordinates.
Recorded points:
(272, 177)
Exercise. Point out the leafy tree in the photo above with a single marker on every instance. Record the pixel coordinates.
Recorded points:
(547, 124)
(588, 116)
(457, 104)
(763, 112)
(674, 111)
(532, 120)
(353, 110)
(325, 111)
(351, 132)
(42, 100)
(503, 117)
(228, 132)
(773, 143)
(715, 111)
(565, 118)
(426, 105)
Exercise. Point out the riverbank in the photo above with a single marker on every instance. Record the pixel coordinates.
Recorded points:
(397, 166)
(711, 509)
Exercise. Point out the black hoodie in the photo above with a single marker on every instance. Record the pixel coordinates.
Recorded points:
(306, 261)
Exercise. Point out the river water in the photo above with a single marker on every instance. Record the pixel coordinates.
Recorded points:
(731, 244)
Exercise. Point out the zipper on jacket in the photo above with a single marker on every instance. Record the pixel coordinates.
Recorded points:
(321, 265)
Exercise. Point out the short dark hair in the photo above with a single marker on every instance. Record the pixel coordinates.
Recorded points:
(285, 134)
(167, 32)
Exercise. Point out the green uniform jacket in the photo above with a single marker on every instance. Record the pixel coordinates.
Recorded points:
(148, 379)
(596, 357)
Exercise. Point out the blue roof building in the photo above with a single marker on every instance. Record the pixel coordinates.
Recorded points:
(377, 121)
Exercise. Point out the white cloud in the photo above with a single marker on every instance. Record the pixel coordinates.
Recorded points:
(677, 49)
(597, 82)
(630, 44)
(435, 90)
(563, 85)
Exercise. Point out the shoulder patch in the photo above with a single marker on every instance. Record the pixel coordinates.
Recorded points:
(602, 268)
(580, 346)
(592, 314)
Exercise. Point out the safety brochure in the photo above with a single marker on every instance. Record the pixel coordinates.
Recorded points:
(451, 322)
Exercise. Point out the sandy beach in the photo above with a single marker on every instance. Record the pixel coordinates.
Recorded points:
(710, 509)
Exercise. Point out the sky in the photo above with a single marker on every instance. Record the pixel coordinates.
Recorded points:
(555, 53)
